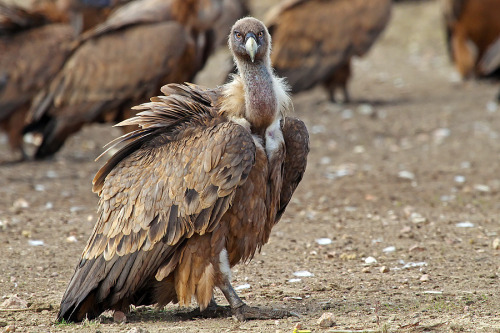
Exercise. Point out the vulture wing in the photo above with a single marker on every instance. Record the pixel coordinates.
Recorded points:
(311, 39)
(174, 177)
(297, 147)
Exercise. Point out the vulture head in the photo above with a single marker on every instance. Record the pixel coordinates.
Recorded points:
(250, 40)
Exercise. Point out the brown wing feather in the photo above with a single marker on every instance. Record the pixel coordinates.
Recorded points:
(313, 38)
(296, 139)
(172, 180)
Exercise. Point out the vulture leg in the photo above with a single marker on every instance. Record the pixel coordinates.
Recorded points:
(339, 79)
(244, 312)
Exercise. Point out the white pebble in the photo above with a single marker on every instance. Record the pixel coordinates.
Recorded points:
(389, 249)
(294, 280)
(482, 188)
(370, 260)
(243, 286)
(466, 224)
(406, 175)
(459, 179)
(71, 239)
(303, 274)
(39, 188)
(324, 241)
(414, 264)
(36, 242)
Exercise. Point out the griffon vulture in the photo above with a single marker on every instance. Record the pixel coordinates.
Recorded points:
(314, 40)
(473, 33)
(33, 46)
(141, 46)
(194, 191)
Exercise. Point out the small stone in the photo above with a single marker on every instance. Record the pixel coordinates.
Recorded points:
(21, 203)
(466, 224)
(71, 239)
(26, 233)
(243, 286)
(137, 330)
(389, 249)
(370, 260)
(416, 248)
(404, 174)
(384, 269)
(482, 188)
(33, 242)
(303, 274)
(326, 320)
(366, 270)
(424, 278)
(324, 241)
(496, 244)
(119, 317)
(14, 302)
(417, 218)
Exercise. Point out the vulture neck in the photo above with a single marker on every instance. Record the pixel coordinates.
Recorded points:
(261, 103)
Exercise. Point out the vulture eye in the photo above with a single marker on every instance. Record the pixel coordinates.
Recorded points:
(260, 34)
(237, 35)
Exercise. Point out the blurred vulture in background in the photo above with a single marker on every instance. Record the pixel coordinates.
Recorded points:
(473, 35)
(314, 40)
(142, 46)
(232, 11)
(33, 46)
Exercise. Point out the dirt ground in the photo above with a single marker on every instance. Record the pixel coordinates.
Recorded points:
(406, 178)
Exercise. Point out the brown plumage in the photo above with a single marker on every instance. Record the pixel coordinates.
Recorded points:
(314, 40)
(142, 45)
(194, 191)
(33, 45)
(473, 31)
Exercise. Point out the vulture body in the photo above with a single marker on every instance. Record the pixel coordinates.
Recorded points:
(194, 191)
(34, 46)
(473, 35)
(141, 46)
(314, 40)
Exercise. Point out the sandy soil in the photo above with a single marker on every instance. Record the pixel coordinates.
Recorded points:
(408, 175)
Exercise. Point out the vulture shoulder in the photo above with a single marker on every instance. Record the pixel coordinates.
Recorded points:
(174, 177)
(313, 38)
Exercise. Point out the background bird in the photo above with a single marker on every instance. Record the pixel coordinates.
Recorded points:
(194, 191)
(140, 47)
(472, 30)
(34, 45)
(314, 40)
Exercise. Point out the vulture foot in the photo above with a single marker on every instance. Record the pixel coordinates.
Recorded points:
(246, 312)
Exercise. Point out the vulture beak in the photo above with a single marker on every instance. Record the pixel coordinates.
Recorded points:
(251, 45)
